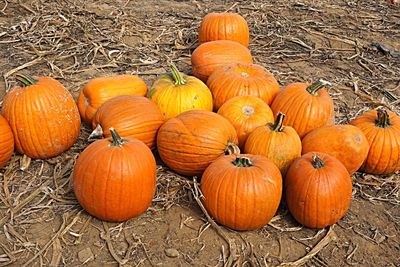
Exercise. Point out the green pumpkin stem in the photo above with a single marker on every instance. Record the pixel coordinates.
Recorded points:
(25, 79)
(232, 148)
(278, 124)
(316, 86)
(383, 119)
(317, 162)
(242, 162)
(177, 75)
(116, 139)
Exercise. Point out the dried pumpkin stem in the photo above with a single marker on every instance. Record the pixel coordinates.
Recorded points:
(317, 162)
(383, 119)
(25, 79)
(242, 162)
(116, 139)
(177, 75)
(317, 85)
(232, 148)
(278, 124)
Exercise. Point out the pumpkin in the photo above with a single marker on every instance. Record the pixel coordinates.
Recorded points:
(242, 192)
(6, 142)
(131, 116)
(246, 113)
(211, 55)
(279, 143)
(43, 117)
(99, 90)
(115, 179)
(176, 93)
(189, 142)
(318, 190)
(239, 79)
(307, 107)
(382, 129)
(347, 143)
(224, 26)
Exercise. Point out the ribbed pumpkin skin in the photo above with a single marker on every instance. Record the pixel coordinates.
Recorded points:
(97, 91)
(131, 116)
(246, 113)
(189, 142)
(211, 55)
(44, 118)
(238, 79)
(115, 183)
(384, 152)
(224, 26)
(347, 143)
(304, 111)
(6, 142)
(317, 197)
(242, 198)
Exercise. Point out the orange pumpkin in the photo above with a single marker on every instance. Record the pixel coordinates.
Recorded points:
(115, 179)
(347, 143)
(382, 129)
(279, 143)
(318, 190)
(131, 116)
(242, 192)
(43, 117)
(246, 113)
(97, 91)
(224, 26)
(6, 142)
(189, 142)
(307, 107)
(239, 79)
(211, 55)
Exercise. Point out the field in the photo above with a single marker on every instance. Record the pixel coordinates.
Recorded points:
(41, 223)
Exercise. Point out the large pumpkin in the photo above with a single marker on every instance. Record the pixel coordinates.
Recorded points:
(382, 129)
(176, 93)
(115, 179)
(43, 117)
(99, 90)
(211, 55)
(224, 26)
(279, 143)
(246, 113)
(242, 192)
(131, 116)
(239, 79)
(347, 143)
(6, 142)
(318, 190)
(307, 107)
(189, 142)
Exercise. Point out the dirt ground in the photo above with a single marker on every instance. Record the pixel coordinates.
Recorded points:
(41, 222)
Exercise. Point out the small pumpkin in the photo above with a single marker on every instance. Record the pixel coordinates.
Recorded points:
(43, 117)
(238, 79)
(382, 129)
(246, 113)
(211, 55)
(176, 93)
(242, 192)
(318, 190)
(224, 26)
(279, 143)
(307, 107)
(97, 91)
(131, 116)
(6, 142)
(189, 142)
(347, 143)
(115, 179)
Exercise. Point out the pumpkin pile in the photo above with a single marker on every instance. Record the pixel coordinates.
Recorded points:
(199, 125)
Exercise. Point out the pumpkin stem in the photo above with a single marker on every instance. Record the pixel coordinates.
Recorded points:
(383, 119)
(278, 124)
(317, 162)
(242, 162)
(317, 85)
(232, 148)
(25, 79)
(116, 140)
(176, 75)
(96, 134)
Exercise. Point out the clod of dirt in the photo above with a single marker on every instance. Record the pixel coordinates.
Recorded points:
(85, 255)
(171, 252)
